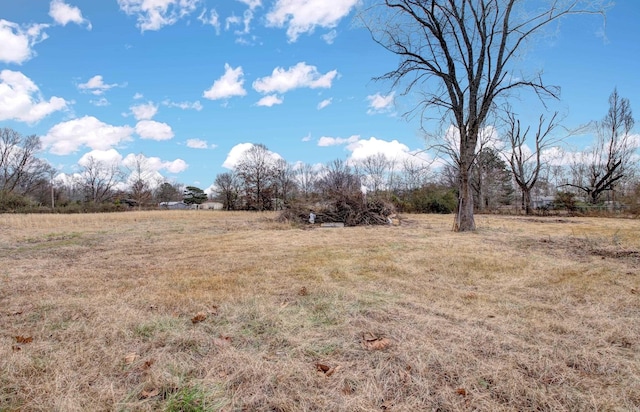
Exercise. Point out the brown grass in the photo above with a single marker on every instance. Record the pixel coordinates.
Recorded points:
(197, 310)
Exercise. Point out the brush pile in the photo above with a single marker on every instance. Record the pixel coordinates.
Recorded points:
(350, 210)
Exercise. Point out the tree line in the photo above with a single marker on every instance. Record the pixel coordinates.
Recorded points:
(507, 175)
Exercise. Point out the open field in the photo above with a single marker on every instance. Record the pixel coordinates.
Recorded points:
(198, 310)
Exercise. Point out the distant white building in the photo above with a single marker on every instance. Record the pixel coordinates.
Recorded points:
(173, 205)
(208, 206)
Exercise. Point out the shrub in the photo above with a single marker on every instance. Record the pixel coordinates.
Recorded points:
(11, 202)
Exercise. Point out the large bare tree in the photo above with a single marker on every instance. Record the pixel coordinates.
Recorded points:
(306, 177)
(414, 173)
(142, 178)
(284, 182)
(459, 55)
(21, 172)
(339, 180)
(98, 179)
(526, 164)
(227, 189)
(610, 159)
(377, 171)
(256, 170)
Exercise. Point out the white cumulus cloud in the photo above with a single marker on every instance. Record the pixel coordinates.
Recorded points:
(301, 75)
(270, 100)
(230, 84)
(235, 154)
(325, 141)
(379, 103)
(64, 14)
(67, 137)
(175, 166)
(109, 156)
(20, 99)
(392, 150)
(152, 130)
(144, 111)
(303, 16)
(17, 42)
(237, 151)
(199, 144)
(155, 14)
(153, 165)
(96, 85)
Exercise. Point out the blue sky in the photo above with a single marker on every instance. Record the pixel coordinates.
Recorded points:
(184, 82)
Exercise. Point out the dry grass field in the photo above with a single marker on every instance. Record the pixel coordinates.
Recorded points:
(216, 311)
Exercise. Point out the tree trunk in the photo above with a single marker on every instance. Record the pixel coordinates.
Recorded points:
(464, 221)
(526, 200)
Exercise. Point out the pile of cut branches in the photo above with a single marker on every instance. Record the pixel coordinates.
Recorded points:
(350, 210)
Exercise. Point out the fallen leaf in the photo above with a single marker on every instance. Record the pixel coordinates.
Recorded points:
(22, 339)
(381, 344)
(374, 342)
(200, 316)
(461, 391)
(130, 358)
(333, 370)
(369, 337)
(16, 348)
(322, 368)
(303, 291)
(148, 364)
(150, 394)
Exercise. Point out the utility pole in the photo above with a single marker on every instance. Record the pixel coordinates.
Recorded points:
(53, 201)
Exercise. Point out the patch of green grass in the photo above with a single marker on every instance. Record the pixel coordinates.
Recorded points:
(147, 330)
(322, 350)
(193, 399)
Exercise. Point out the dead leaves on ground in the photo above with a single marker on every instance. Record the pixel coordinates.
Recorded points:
(130, 358)
(24, 339)
(371, 341)
(326, 370)
(200, 317)
(146, 394)
(21, 340)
